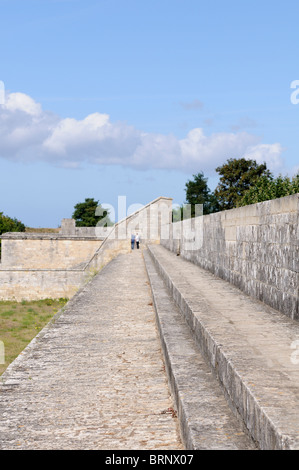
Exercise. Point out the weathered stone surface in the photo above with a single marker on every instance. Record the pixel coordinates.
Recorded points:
(251, 348)
(29, 284)
(254, 247)
(206, 421)
(94, 378)
(36, 265)
(46, 252)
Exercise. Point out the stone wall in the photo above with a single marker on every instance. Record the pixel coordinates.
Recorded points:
(36, 266)
(253, 247)
(148, 222)
(34, 284)
(46, 252)
(69, 229)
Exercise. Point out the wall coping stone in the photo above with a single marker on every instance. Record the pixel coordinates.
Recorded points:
(45, 236)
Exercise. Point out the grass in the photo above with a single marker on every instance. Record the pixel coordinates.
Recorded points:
(41, 230)
(20, 322)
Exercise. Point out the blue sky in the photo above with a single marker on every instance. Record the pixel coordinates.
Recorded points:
(108, 98)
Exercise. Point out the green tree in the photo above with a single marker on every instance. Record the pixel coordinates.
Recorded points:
(177, 214)
(85, 213)
(8, 224)
(198, 192)
(295, 184)
(236, 177)
(267, 188)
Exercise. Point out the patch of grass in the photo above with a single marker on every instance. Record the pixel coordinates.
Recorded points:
(21, 321)
(42, 230)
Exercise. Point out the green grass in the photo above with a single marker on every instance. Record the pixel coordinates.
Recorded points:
(21, 321)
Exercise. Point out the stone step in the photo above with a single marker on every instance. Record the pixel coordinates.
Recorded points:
(249, 347)
(206, 421)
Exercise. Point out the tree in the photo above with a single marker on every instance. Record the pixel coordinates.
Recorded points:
(295, 184)
(85, 213)
(237, 177)
(267, 188)
(198, 192)
(8, 224)
(177, 213)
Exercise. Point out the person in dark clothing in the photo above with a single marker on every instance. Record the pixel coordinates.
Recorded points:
(132, 241)
(137, 239)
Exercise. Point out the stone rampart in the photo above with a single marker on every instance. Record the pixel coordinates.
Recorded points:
(50, 251)
(35, 284)
(148, 222)
(38, 265)
(253, 247)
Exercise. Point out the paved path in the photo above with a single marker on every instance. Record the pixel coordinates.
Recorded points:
(94, 379)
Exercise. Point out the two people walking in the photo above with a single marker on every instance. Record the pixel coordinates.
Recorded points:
(135, 239)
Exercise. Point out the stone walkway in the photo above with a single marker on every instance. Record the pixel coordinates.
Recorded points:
(93, 379)
(250, 347)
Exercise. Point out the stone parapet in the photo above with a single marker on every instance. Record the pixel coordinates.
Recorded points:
(48, 252)
(76, 253)
(36, 284)
(253, 247)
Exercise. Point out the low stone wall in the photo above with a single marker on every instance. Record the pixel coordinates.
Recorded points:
(37, 266)
(148, 222)
(46, 252)
(69, 229)
(22, 284)
(253, 247)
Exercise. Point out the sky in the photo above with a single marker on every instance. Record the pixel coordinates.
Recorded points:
(131, 98)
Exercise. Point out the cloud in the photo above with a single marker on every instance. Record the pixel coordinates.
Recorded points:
(23, 103)
(269, 153)
(28, 133)
(215, 148)
(194, 104)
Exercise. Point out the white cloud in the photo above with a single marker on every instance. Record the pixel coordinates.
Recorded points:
(212, 150)
(269, 153)
(69, 133)
(22, 102)
(28, 133)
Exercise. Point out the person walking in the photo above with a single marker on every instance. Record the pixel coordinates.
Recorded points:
(132, 241)
(137, 239)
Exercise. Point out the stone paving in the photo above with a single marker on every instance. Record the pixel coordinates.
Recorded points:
(93, 379)
(251, 348)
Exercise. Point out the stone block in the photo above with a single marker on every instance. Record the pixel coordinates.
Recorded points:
(256, 246)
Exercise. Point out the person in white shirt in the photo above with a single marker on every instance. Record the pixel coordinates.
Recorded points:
(137, 240)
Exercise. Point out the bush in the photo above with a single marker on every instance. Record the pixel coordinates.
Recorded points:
(267, 188)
